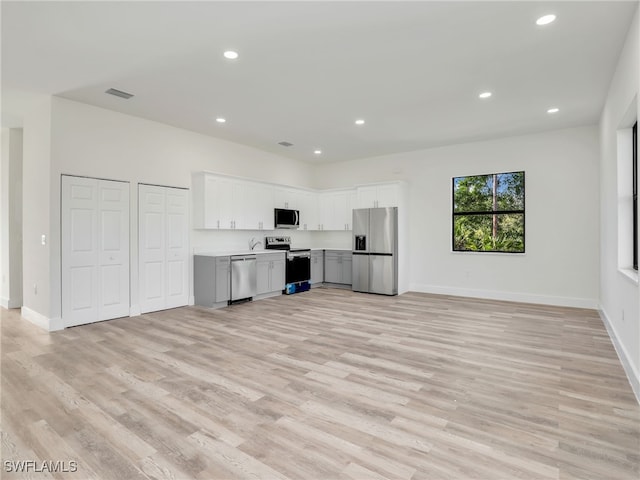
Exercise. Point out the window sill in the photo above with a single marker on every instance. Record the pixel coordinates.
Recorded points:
(629, 273)
(514, 254)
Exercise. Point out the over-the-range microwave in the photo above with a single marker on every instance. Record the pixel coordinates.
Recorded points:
(285, 218)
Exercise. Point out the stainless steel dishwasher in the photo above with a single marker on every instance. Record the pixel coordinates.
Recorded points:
(243, 277)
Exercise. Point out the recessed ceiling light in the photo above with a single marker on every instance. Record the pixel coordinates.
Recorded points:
(230, 54)
(221, 120)
(546, 19)
(553, 110)
(485, 95)
(359, 122)
(317, 152)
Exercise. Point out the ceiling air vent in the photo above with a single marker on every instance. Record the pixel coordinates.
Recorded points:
(119, 93)
(285, 144)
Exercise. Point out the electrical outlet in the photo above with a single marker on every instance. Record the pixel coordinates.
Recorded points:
(35, 289)
(43, 239)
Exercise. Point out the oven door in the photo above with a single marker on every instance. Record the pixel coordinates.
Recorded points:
(298, 267)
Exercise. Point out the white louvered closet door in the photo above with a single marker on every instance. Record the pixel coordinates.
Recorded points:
(163, 247)
(95, 250)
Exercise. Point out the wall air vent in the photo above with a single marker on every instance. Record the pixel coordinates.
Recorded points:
(119, 93)
(285, 144)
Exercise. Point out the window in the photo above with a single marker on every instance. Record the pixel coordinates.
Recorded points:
(488, 213)
(635, 195)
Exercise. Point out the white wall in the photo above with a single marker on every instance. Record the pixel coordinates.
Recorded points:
(4, 216)
(36, 218)
(95, 142)
(560, 265)
(11, 218)
(619, 292)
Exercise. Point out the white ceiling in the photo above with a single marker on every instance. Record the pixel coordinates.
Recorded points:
(307, 70)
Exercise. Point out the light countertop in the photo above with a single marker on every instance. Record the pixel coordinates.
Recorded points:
(237, 253)
(234, 253)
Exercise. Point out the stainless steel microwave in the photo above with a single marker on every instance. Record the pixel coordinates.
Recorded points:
(285, 218)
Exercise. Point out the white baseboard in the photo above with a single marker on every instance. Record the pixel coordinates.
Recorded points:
(9, 303)
(50, 325)
(56, 324)
(507, 296)
(192, 300)
(633, 375)
(135, 310)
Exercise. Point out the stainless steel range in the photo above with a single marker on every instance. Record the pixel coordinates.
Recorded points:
(298, 266)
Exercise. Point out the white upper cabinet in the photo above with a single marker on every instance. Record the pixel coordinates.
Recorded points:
(286, 197)
(261, 202)
(380, 195)
(335, 208)
(309, 217)
(226, 203)
(210, 204)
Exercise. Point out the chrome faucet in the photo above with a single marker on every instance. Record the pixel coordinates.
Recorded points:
(253, 242)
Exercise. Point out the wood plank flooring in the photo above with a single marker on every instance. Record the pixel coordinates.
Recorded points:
(326, 384)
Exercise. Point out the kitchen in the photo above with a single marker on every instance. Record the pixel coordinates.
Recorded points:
(275, 210)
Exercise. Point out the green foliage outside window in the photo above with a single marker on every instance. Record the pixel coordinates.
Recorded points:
(488, 213)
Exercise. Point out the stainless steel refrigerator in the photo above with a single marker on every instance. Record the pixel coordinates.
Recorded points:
(375, 250)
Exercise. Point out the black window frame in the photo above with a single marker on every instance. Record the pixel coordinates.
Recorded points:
(635, 194)
(455, 214)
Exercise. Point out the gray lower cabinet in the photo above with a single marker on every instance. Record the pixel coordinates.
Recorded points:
(337, 267)
(270, 271)
(223, 279)
(211, 280)
(317, 267)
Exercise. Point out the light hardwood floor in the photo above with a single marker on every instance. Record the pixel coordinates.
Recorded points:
(325, 384)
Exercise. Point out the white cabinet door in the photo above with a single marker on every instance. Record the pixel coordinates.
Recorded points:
(335, 209)
(242, 216)
(95, 250)
(256, 204)
(163, 247)
(285, 197)
(210, 207)
(367, 197)
(388, 195)
(263, 205)
(352, 202)
(211, 202)
(224, 199)
(309, 218)
(383, 195)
